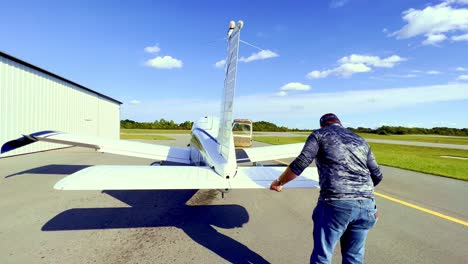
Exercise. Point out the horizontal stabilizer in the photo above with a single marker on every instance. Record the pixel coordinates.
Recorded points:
(178, 177)
(142, 178)
(269, 153)
(262, 177)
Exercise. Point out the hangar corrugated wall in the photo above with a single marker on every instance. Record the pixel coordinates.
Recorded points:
(33, 99)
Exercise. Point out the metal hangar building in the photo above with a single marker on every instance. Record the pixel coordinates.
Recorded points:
(33, 99)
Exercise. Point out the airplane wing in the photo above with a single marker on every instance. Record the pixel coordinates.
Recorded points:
(269, 152)
(261, 177)
(120, 147)
(178, 177)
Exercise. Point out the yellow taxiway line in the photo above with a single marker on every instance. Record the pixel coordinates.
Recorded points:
(446, 217)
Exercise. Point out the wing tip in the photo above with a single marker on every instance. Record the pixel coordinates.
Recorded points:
(16, 143)
(59, 185)
(24, 140)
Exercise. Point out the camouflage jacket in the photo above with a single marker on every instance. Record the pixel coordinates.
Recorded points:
(346, 166)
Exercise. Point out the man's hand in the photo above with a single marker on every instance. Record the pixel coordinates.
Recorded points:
(285, 177)
(275, 185)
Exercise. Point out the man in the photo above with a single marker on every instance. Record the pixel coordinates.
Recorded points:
(348, 172)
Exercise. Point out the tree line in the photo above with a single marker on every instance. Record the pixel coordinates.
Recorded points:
(271, 127)
(187, 125)
(157, 124)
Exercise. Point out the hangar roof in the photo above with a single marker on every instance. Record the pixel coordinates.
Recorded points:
(2, 54)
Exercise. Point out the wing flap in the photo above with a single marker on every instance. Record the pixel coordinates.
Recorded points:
(271, 152)
(142, 178)
(261, 177)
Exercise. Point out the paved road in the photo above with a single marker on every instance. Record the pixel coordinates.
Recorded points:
(42, 225)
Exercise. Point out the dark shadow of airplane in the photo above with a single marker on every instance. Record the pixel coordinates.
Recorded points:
(164, 208)
(51, 169)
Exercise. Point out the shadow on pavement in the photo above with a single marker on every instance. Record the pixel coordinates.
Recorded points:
(52, 169)
(164, 208)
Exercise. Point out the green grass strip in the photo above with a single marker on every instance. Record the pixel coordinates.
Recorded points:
(423, 159)
(145, 137)
(420, 138)
(279, 140)
(415, 158)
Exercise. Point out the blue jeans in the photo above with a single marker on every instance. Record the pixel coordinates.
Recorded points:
(346, 220)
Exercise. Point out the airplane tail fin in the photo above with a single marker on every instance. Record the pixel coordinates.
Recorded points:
(225, 139)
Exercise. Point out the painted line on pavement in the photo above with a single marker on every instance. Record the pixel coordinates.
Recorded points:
(446, 217)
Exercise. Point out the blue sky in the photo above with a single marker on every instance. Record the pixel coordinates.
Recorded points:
(371, 62)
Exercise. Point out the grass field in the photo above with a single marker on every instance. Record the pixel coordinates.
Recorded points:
(145, 137)
(280, 140)
(418, 138)
(153, 131)
(421, 159)
(302, 132)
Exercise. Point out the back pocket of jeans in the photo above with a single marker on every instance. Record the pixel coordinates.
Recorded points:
(372, 215)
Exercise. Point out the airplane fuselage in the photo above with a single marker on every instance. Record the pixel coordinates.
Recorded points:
(204, 148)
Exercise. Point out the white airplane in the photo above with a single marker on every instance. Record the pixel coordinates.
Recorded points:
(209, 162)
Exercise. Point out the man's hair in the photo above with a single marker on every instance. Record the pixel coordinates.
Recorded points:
(328, 119)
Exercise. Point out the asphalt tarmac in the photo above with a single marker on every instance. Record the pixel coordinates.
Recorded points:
(41, 225)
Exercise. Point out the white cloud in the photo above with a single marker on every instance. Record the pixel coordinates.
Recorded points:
(431, 72)
(461, 69)
(281, 93)
(348, 69)
(457, 2)
(434, 22)
(356, 63)
(303, 106)
(295, 86)
(344, 70)
(338, 3)
(353, 101)
(220, 64)
(261, 55)
(463, 78)
(166, 62)
(375, 61)
(135, 102)
(153, 49)
(318, 74)
(463, 37)
(433, 39)
(402, 75)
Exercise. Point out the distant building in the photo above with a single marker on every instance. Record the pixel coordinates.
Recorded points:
(33, 99)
